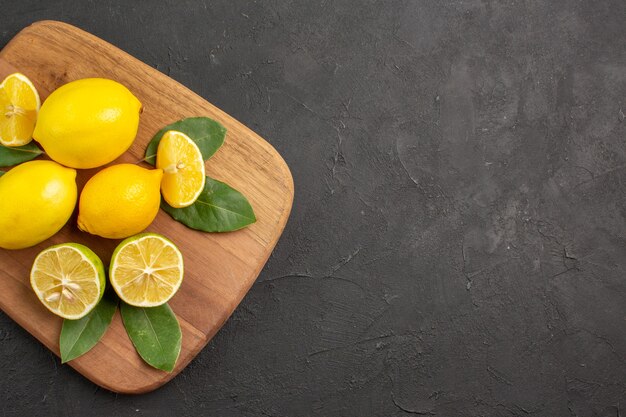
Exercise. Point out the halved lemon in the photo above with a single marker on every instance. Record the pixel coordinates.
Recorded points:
(68, 279)
(19, 104)
(183, 169)
(146, 270)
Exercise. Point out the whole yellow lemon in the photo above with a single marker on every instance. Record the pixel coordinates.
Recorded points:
(120, 201)
(88, 123)
(36, 199)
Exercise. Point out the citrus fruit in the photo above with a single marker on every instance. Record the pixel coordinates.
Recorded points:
(88, 123)
(68, 279)
(146, 270)
(19, 103)
(120, 201)
(37, 199)
(183, 169)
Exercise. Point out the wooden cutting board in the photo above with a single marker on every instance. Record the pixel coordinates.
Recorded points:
(219, 268)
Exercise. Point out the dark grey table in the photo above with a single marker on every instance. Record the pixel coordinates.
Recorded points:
(457, 245)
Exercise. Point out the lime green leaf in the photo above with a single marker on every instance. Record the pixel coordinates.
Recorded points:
(79, 336)
(219, 208)
(155, 332)
(13, 156)
(206, 133)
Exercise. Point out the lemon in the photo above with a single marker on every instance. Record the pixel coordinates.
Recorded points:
(19, 103)
(146, 270)
(88, 123)
(183, 169)
(120, 201)
(68, 279)
(36, 200)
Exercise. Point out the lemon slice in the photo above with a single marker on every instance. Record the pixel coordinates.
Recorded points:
(19, 104)
(68, 279)
(146, 270)
(183, 169)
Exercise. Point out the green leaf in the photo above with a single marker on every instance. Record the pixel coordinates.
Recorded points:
(206, 133)
(155, 332)
(13, 156)
(79, 336)
(2, 173)
(219, 208)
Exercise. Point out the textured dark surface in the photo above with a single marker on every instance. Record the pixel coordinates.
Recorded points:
(457, 245)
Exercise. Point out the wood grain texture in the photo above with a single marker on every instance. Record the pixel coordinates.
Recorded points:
(220, 268)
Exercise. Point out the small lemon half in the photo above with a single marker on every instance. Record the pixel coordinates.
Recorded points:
(19, 104)
(183, 169)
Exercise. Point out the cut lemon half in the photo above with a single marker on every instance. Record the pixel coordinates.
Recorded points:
(19, 104)
(68, 279)
(183, 169)
(146, 270)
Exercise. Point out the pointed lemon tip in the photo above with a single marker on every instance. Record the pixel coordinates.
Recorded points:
(138, 103)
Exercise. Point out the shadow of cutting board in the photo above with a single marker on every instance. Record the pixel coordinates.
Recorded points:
(219, 268)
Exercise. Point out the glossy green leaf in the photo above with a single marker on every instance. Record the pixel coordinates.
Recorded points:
(219, 208)
(155, 332)
(206, 133)
(13, 156)
(79, 336)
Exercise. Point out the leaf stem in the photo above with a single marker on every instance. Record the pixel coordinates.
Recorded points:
(145, 159)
